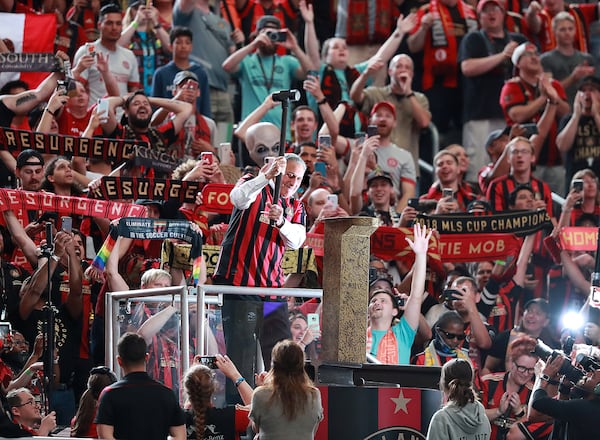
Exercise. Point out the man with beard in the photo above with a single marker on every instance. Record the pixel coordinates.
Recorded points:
(251, 255)
(579, 136)
(138, 109)
(261, 71)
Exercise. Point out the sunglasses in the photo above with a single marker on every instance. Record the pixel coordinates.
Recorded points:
(449, 335)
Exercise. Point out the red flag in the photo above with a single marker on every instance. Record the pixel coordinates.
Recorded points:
(29, 33)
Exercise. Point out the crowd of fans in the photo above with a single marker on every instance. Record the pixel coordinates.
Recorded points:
(499, 97)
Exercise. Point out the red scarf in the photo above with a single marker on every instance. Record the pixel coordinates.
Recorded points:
(357, 26)
(441, 52)
(548, 42)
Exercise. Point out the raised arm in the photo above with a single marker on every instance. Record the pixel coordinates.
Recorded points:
(419, 245)
(311, 43)
(255, 117)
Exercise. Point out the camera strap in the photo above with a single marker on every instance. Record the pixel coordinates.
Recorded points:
(268, 82)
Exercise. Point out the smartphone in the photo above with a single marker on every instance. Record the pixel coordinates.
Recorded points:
(372, 130)
(530, 129)
(451, 294)
(577, 185)
(207, 157)
(313, 322)
(47, 216)
(324, 141)
(225, 153)
(414, 203)
(314, 73)
(447, 192)
(90, 49)
(209, 361)
(321, 168)
(66, 224)
(103, 106)
(6, 328)
(61, 87)
(333, 198)
(400, 301)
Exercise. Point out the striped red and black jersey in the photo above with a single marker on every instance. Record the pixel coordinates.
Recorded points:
(252, 250)
(493, 386)
(578, 212)
(518, 92)
(463, 196)
(500, 189)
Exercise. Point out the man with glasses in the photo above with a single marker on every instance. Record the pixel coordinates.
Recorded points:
(521, 159)
(26, 413)
(260, 230)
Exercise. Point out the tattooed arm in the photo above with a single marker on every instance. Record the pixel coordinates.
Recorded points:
(23, 102)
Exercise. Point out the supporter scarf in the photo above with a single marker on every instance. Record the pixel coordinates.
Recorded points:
(333, 93)
(17, 200)
(369, 21)
(387, 350)
(513, 222)
(28, 62)
(432, 359)
(148, 229)
(117, 188)
(115, 150)
(549, 41)
(440, 59)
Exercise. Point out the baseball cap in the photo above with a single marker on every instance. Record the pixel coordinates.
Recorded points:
(541, 302)
(268, 21)
(482, 3)
(384, 104)
(589, 81)
(29, 157)
(520, 50)
(495, 135)
(184, 75)
(379, 174)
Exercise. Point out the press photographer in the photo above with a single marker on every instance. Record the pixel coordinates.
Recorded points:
(576, 410)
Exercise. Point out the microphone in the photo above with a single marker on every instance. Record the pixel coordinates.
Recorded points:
(285, 95)
(49, 238)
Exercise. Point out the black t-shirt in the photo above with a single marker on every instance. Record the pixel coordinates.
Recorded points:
(139, 408)
(481, 93)
(219, 425)
(585, 151)
(581, 415)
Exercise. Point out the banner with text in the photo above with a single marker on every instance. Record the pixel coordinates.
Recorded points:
(115, 188)
(514, 222)
(576, 238)
(17, 200)
(28, 62)
(63, 145)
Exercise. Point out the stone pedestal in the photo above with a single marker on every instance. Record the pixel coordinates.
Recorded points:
(345, 288)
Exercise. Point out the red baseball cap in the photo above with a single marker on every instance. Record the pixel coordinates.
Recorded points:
(482, 3)
(384, 104)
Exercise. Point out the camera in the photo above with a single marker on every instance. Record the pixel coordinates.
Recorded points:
(588, 363)
(451, 295)
(277, 36)
(572, 373)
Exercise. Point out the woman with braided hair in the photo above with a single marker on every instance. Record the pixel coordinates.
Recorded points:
(202, 419)
(463, 416)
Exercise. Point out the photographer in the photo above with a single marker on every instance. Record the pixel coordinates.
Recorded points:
(576, 415)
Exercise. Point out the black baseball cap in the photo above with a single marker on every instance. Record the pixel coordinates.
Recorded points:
(379, 174)
(29, 157)
(268, 21)
(589, 80)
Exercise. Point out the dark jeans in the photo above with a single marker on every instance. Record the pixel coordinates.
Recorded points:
(246, 320)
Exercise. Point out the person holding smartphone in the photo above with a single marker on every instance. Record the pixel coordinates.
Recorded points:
(260, 230)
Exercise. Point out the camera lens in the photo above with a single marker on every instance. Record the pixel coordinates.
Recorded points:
(272, 35)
